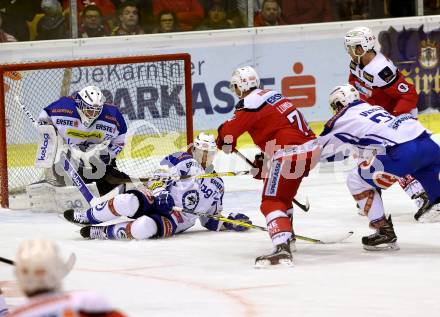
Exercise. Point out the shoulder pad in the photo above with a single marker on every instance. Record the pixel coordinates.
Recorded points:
(259, 98)
(386, 74)
(380, 71)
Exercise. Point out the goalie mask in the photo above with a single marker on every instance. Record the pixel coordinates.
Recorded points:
(244, 79)
(89, 102)
(39, 267)
(342, 96)
(204, 149)
(359, 36)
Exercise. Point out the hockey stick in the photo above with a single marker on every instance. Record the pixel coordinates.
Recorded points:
(118, 181)
(67, 166)
(252, 226)
(7, 261)
(305, 207)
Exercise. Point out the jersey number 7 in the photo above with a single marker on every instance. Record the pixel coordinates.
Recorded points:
(296, 118)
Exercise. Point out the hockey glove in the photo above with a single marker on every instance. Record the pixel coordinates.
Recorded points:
(163, 203)
(258, 163)
(239, 217)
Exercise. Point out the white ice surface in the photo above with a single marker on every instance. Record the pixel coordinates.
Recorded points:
(202, 273)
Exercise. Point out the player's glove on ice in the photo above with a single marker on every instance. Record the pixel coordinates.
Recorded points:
(239, 217)
(163, 203)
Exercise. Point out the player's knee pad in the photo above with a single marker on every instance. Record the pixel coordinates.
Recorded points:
(143, 228)
(270, 204)
(356, 184)
(122, 205)
(145, 203)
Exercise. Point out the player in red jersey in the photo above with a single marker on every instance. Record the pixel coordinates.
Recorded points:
(287, 144)
(377, 79)
(379, 82)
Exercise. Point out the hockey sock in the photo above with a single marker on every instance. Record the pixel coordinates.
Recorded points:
(279, 227)
(412, 188)
(371, 203)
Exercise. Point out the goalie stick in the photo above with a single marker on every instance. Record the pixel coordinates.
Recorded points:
(67, 166)
(305, 207)
(252, 226)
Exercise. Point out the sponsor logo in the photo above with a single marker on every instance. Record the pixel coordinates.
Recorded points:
(84, 134)
(58, 110)
(106, 128)
(363, 90)
(273, 180)
(272, 100)
(66, 122)
(43, 148)
(368, 77)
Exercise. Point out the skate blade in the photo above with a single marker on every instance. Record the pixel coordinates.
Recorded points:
(382, 247)
(266, 264)
(73, 223)
(430, 216)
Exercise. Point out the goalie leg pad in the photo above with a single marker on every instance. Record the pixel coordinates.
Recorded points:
(47, 146)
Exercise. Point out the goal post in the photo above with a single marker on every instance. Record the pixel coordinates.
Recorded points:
(152, 92)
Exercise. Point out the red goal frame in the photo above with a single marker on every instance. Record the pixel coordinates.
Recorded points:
(4, 191)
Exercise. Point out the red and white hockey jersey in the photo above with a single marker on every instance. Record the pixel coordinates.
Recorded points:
(268, 117)
(381, 83)
(63, 304)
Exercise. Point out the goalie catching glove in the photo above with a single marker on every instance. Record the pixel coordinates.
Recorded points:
(86, 157)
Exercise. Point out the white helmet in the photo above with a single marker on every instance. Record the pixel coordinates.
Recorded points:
(362, 36)
(245, 78)
(90, 101)
(341, 96)
(204, 149)
(39, 267)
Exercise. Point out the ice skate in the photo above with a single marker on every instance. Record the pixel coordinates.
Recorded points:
(280, 255)
(77, 217)
(383, 239)
(430, 213)
(90, 232)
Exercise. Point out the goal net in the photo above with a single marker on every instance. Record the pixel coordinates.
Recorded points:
(152, 92)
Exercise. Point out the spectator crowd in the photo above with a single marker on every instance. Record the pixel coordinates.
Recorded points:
(24, 20)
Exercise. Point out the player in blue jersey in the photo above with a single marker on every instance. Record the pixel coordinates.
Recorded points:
(91, 131)
(152, 209)
(397, 146)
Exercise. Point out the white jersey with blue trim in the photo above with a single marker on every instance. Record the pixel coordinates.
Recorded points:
(195, 194)
(109, 125)
(367, 128)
